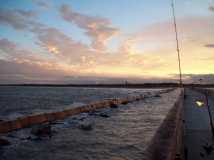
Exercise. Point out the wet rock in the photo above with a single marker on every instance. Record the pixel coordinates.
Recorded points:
(93, 113)
(113, 105)
(42, 130)
(82, 116)
(157, 96)
(34, 138)
(104, 114)
(86, 125)
(137, 99)
(4, 142)
(20, 134)
(125, 102)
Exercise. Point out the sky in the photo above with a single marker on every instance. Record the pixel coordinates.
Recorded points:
(80, 41)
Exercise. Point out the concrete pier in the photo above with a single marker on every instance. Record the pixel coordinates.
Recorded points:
(198, 138)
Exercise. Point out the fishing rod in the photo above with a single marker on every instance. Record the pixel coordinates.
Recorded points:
(177, 42)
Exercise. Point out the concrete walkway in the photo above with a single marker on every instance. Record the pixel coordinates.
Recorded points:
(198, 136)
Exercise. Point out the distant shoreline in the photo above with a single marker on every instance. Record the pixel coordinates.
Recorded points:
(144, 85)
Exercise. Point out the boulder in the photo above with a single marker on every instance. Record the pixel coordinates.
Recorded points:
(124, 102)
(157, 96)
(42, 130)
(113, 105)
(86, 125)
(104, 114)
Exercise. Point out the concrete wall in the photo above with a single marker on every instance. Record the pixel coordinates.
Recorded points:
(167, 143)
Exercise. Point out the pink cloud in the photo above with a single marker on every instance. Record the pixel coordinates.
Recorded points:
(99, 29)
(162, 35)
(60, 45)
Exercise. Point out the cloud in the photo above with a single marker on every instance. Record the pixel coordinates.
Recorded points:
(99, 29)
(11, 51)
(7, 46)
(18, 19)
(198, 78)
(191, 31)
(209, 45)
(63, 56)
(60, 45)
(43, 4)
(28, 72)
(21, 65)
(211, 8)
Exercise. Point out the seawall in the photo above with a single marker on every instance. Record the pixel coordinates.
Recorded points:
(167, 143)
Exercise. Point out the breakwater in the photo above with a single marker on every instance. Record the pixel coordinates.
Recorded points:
(23, 122)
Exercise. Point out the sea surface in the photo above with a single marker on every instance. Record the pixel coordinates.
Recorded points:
(124, 133)
(20, 101)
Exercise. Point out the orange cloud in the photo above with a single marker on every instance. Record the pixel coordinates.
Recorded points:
(99, 29)
(53, 49)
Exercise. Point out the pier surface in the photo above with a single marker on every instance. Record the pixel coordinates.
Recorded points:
(198, 135)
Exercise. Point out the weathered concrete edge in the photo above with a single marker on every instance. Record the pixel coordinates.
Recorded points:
(167, 144)
(24, 122)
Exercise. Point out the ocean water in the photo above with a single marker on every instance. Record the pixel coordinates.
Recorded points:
(20, 101)
(124, 135)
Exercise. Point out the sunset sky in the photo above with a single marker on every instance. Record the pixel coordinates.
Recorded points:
(71, 40)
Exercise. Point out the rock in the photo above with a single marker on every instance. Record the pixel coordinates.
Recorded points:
(20, 134)
(4, 142)
(137, 99)
(86, 125)
(34, 138)
(42, 130)
(82, 116)
(124, 103)
(157, 95)
(113, 105)
(104, 114)
(94, 113)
